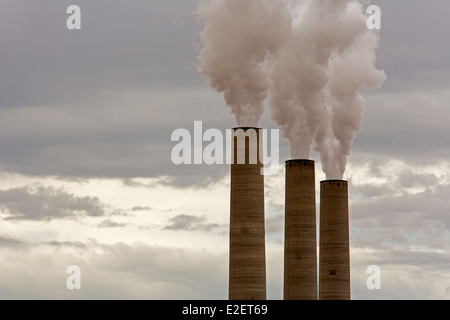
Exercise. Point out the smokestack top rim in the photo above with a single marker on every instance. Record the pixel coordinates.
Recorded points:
(334, 180)
(246, 128)
(300, 160)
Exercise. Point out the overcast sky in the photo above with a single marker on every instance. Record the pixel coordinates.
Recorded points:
(86, 177)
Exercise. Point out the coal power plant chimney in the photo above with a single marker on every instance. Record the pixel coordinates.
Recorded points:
(334, 260)
(300, 255)
(247, 274)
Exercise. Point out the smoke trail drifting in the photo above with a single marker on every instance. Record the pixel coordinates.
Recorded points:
(313, 56)
(316, 81)
(238, 37)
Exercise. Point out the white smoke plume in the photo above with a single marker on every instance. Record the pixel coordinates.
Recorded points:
(315, 95)
(238, 37)
(312, 56)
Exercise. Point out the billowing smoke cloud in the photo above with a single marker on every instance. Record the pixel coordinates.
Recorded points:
(238, 37)
(312, 56)
(316, 80)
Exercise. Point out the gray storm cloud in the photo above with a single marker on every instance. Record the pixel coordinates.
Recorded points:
(310, 58)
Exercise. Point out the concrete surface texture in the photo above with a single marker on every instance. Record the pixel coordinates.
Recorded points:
(334, 252)
(247, 273)
(300, 255)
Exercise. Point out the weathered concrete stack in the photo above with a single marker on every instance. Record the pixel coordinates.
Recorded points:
(247, 277)
(334, 261)
(300, 252)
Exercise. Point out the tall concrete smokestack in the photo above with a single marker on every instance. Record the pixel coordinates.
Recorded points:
(300, 255)
(247, 278)
(334, 261)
